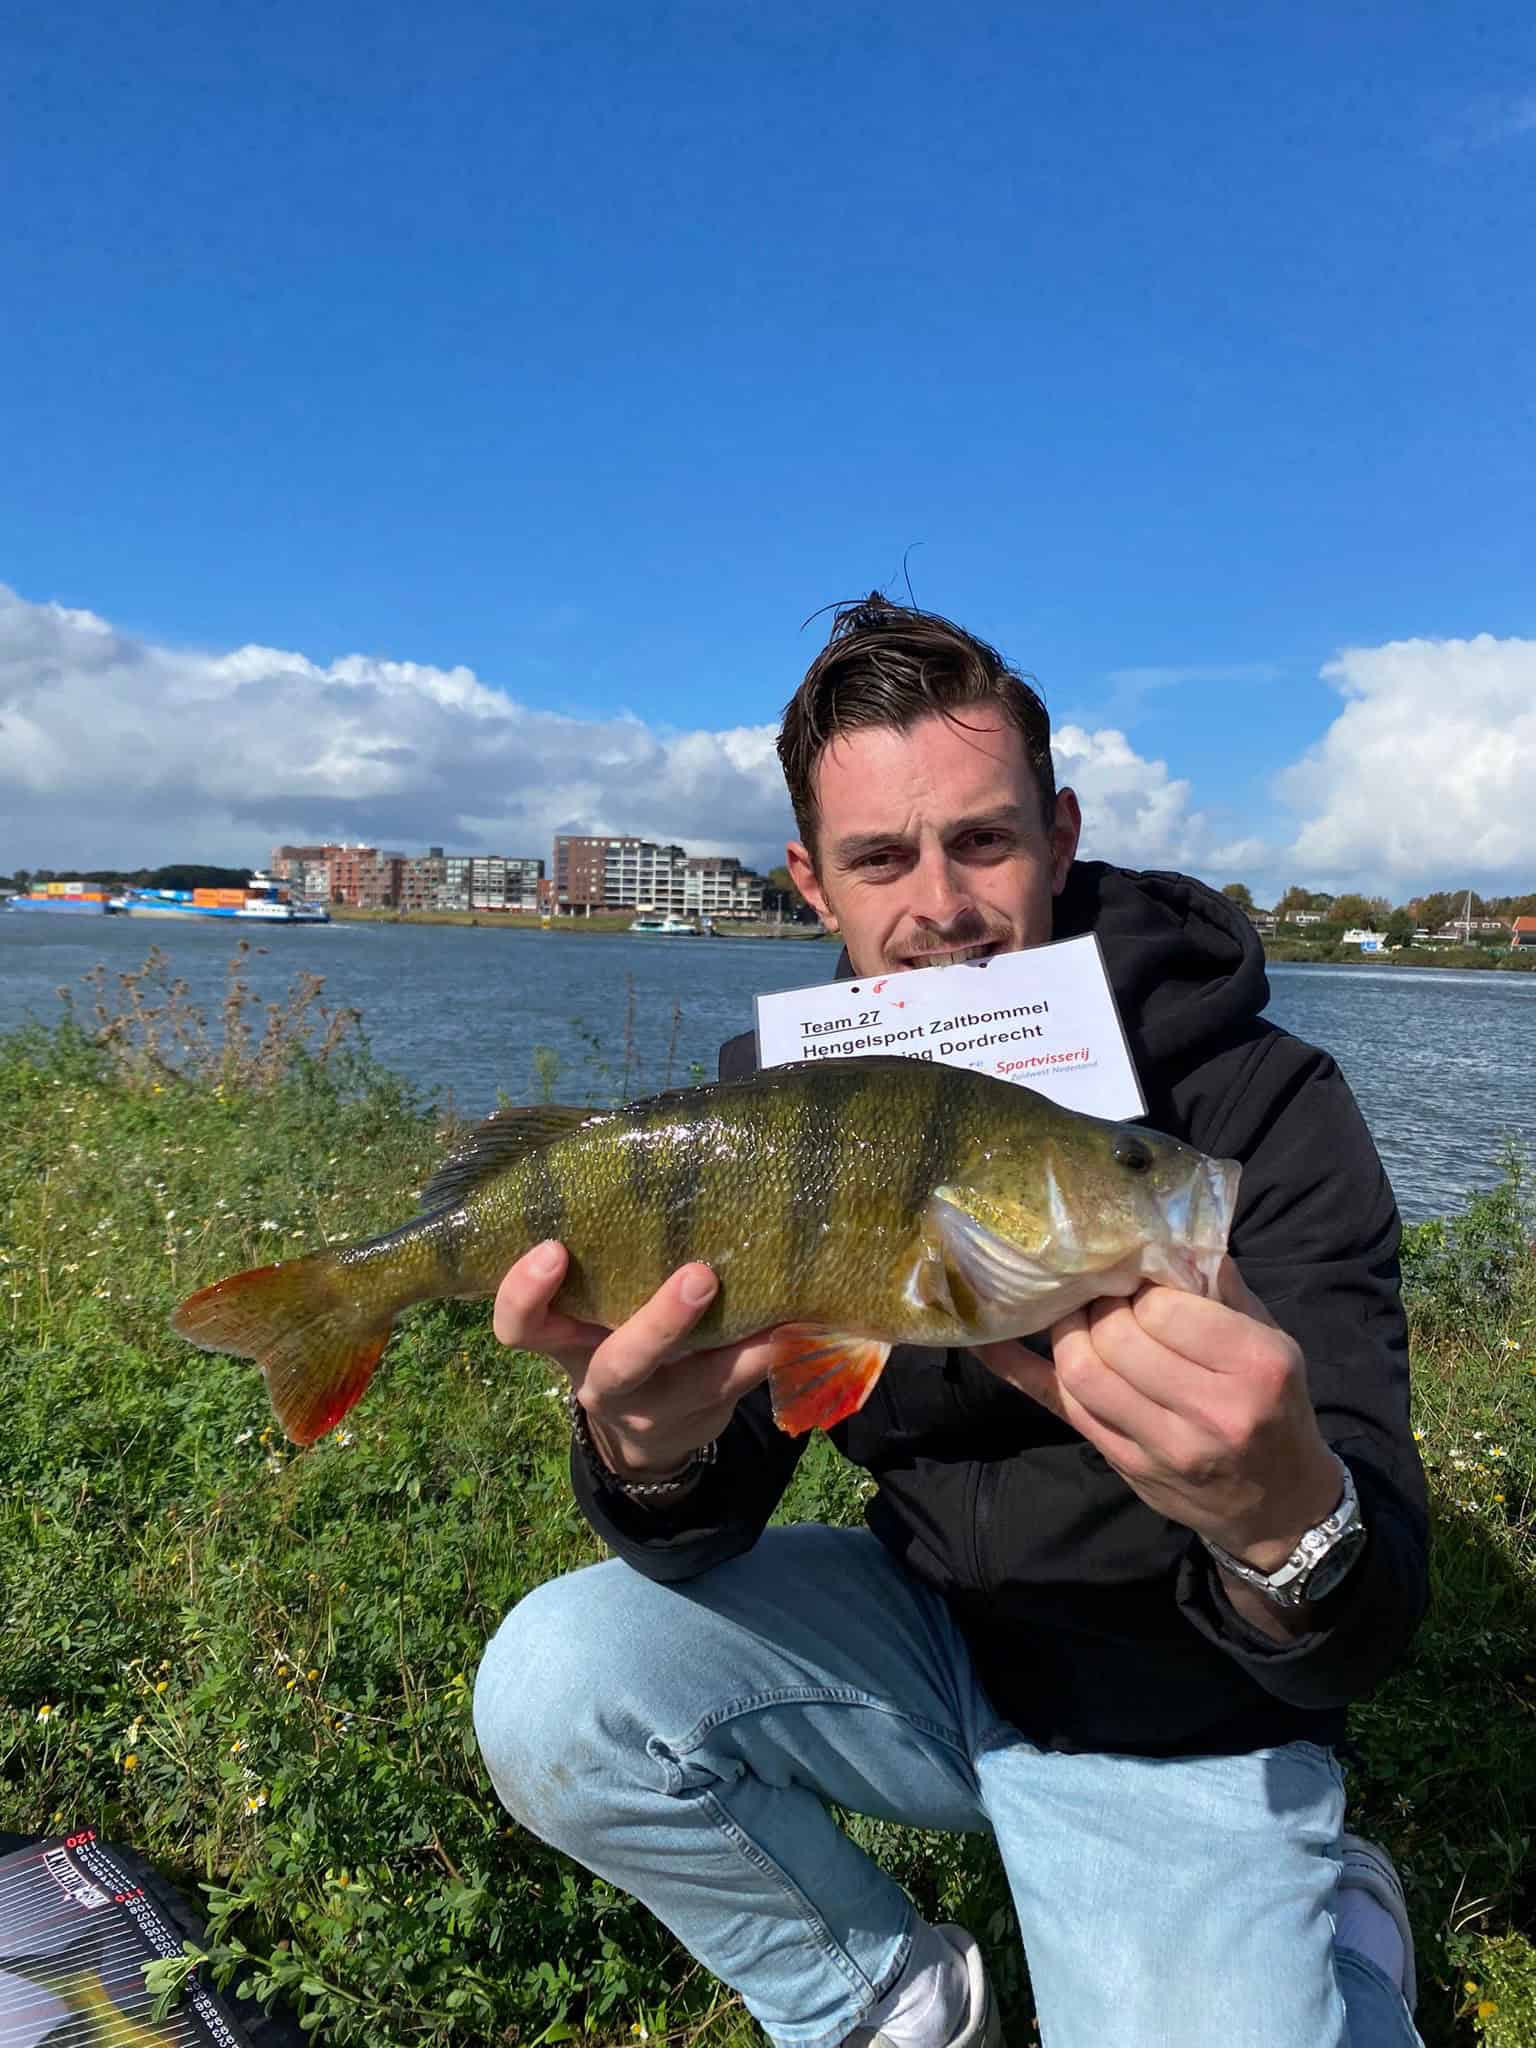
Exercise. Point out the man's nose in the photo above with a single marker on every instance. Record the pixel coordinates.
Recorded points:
(941, 894)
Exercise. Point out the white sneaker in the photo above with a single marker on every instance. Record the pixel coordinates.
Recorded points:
(1368, 1866)
(982, 2027)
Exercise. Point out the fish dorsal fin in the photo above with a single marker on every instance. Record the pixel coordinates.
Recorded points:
(492, 1145)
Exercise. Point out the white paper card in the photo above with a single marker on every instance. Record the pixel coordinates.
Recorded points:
(1045, 1017)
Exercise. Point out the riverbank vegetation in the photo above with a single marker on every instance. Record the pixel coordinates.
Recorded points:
(256, 1664)
(1330, 953)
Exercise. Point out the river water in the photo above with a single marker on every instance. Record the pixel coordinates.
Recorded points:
(1442, 1063)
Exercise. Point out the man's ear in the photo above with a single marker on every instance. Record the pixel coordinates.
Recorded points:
(1065, 833)
(802, 872)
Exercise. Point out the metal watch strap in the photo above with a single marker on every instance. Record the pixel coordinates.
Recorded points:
(640, 1489)
(1313, 1547)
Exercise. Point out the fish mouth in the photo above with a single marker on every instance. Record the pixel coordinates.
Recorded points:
(1199, 1224)
(951, 956)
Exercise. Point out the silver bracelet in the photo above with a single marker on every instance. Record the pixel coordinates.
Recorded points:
(641, 1489)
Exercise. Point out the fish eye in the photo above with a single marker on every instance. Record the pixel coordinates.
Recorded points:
(1132, 1154)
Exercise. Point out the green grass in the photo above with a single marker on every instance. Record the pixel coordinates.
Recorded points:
(255, 1665)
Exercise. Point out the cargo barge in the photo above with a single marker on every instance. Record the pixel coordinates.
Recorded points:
(73, 898)
(263, 900)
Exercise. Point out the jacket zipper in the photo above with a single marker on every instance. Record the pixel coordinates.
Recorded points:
(981, 1523)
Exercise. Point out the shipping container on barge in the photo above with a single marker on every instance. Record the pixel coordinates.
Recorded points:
(263, 900)
(82, 899)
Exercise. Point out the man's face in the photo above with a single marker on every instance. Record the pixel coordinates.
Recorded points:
(931, 845)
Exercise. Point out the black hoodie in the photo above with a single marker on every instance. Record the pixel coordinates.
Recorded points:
(1095, 1623)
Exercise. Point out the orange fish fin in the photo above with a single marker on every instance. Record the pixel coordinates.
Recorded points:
(820, 1375)
(316, 1351)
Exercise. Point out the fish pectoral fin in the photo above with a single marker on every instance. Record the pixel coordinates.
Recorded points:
(991, 1270)
(820, 1375)
(491, 1144)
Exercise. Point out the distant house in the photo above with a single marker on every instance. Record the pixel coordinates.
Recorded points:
(1522, 933)
(1307, 917)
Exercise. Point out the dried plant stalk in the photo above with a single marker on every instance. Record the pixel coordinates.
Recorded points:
(155, 1033)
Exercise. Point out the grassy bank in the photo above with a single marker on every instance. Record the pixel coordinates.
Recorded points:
(256, 1665)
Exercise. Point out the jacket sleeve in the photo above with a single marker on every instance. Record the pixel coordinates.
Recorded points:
(1316, 1238)
(720, 1516)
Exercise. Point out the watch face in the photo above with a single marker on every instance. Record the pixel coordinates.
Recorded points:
(1332, 1570)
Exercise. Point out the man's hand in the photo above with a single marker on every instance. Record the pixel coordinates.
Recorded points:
(648, 1408)
(1200, 1406)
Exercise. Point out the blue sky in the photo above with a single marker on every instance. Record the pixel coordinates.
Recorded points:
(592, 348)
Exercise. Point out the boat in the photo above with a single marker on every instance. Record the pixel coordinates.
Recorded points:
(59, 896)
(677, 927)
(262, 900)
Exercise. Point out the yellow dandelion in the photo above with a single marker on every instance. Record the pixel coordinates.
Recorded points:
(130, 1762)
(1487, 2008)
(161, 1686)
(311, 1676)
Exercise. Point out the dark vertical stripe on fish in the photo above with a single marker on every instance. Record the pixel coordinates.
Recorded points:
(936, 1147)
(816, 1149)
(544, 1195)
(688, 1143)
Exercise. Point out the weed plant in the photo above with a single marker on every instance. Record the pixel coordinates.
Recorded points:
(256, 1665)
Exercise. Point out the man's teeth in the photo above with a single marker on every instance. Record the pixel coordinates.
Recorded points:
(949, 959)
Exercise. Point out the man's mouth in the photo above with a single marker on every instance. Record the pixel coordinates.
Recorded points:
(982, 950)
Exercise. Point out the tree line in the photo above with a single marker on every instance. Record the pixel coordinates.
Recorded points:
(1397, 922)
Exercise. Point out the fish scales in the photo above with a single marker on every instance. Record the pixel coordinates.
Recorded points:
(845, 1205)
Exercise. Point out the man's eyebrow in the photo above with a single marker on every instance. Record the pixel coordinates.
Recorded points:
(857, 843)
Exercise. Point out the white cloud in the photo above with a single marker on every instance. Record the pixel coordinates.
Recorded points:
(119, 751)
(1486, 122)
(1131, 687)
(1134, 812)
(1427, 777)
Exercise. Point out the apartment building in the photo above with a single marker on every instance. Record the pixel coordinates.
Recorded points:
(490, 881)
(366, 879)
(612, 872)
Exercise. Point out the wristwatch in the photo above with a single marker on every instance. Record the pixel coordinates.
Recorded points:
(1320, 1561)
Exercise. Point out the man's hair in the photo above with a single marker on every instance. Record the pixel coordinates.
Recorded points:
(890, 664)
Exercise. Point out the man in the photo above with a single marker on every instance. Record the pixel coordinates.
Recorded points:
(1115, 1593)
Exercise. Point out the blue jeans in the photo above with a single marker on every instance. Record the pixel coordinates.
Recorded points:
(683, 1741)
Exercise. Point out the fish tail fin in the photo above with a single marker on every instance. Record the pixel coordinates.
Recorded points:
(317, 1350)
(819, 1376)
